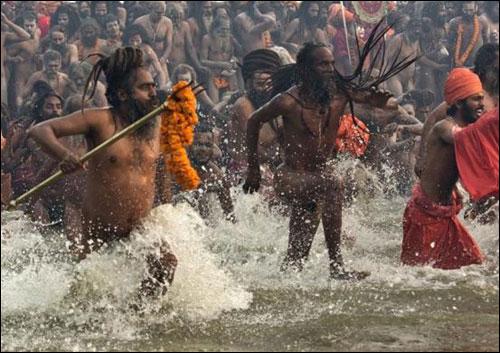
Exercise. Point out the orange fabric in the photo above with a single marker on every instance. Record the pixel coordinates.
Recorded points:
(221, 82)
(476, 152)
(433, 235)
(352, 136)
(336, 10)
(460, 84)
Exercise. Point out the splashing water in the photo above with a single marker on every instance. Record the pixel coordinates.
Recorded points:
(228, 292)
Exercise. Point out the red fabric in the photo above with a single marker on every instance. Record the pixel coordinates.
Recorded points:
(352, 136)
(44, 25)
(476, 152)
(461, 84)
(434, 236)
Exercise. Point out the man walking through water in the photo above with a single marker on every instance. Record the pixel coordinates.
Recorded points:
(311, 98)
(433, 234)
(120, 179)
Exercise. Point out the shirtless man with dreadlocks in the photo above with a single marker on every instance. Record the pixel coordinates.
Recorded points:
(120, 179)
(311, 111)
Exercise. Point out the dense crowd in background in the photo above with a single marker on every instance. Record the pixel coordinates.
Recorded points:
(48, 52)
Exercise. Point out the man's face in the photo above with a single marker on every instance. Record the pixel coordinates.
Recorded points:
(323, 64)
(113, 28)
(423, 112)
(101, 9)
(144, 92)
(53, 67)
(63, 20)
(52, 108)
(414, 30)
(490, 83)
(84, 9)
(207, 9)
(473, 107)
(30, 27)
(313, 11)
(58, 39)
(78, 78)
(157, 12)
(135, 41)
(89, 35)
(224, 30)
(469, 9)
(203, 147)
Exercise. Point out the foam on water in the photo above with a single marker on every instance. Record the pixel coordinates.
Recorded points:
(221, 270)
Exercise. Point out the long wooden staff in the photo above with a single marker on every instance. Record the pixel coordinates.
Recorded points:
(132, 127)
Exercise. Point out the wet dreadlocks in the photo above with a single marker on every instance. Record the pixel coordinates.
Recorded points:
(363, 77)
(120, 70)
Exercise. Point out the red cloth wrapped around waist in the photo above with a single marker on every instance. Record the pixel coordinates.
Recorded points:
(433, 235)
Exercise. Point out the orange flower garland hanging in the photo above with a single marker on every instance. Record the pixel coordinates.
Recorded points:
(177, 132)
(461, 59)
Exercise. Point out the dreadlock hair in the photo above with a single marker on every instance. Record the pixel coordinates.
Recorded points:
(259, 60)
(364, 77)
(119, 69)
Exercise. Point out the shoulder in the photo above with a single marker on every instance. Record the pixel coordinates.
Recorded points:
(141, 20)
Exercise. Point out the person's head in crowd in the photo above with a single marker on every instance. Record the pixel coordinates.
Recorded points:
(89, 32)
(309, 13)
(421, 100)
(183, 72)
(464, 95)
(58, 39)
(99, 10)
(52, 63)
(452, 10)
(83, 9)
(257, 68)
(29, 23)
(469, 10)
(67, 17)
(157, 10)
(130, 88)
(221, 10)
(436, 11)
(134, 12)
(221, 27)
(46, 103)
(413, 30)
(486, 67)
(78, 73)
(175, 12)
(135, 36)
(203, 12)
(398, 20)
(112, 26)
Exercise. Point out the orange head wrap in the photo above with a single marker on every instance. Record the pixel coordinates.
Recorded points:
(461, 84)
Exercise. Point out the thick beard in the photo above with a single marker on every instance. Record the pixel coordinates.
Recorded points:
(136, 111)
(89, 42)
(320, 89)
(258, 99)
(469, 114)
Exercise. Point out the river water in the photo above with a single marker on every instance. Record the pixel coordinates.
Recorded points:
(229, 295)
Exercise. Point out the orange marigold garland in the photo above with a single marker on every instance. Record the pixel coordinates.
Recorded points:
(461, 59)
(177, 132)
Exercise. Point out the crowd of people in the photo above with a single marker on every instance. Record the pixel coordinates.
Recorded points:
(280, 80)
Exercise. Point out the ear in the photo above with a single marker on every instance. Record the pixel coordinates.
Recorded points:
(122, 95)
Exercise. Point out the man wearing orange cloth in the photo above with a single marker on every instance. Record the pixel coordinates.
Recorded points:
(433, 234)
